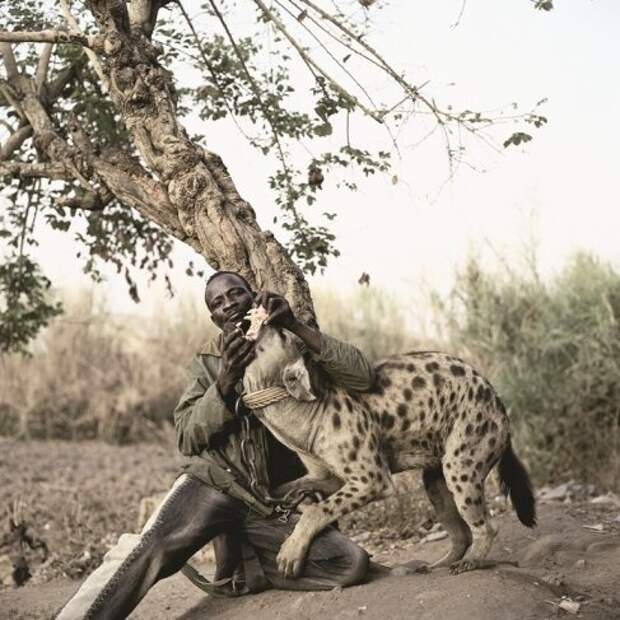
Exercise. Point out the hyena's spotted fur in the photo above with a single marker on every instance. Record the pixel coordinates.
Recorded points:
(427, 410)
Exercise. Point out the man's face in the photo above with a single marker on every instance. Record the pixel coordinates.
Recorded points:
(228, 299)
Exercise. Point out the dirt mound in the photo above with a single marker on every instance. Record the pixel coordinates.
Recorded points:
(561, 565)
(80, 496)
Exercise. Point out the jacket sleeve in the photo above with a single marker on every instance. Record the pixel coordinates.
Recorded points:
(345, 364)
(201, 416)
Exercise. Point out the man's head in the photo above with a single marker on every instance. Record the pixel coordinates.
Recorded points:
(228, 297)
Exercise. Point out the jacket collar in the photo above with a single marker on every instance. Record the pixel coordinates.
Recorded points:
(213, 346)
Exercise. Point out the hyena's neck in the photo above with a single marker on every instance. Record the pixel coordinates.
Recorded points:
(293, 422)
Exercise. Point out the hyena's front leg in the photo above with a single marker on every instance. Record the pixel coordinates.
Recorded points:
(315, 517)
(318, 479)
(326, 486)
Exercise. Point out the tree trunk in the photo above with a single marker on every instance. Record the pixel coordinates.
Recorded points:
(198, 191)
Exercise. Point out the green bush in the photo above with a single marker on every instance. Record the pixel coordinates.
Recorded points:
(553, 351)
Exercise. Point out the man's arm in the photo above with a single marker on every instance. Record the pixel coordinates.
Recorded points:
(346, 365)
(206, 410)
(202, 416)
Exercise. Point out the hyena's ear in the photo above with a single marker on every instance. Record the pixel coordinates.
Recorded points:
(296, 380)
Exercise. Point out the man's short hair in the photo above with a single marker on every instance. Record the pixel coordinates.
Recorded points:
(217, 274)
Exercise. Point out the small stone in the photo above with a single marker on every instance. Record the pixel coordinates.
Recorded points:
(572, 607)
(598, 527)
(609, 498)
(435, 536)
(361, 610)
(6, 571)
(558, 494)
(554, 580)
(580, 563)
(297, 603)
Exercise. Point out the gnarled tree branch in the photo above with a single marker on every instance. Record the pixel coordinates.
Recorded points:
(48, 170)
(52, 36)
(42, 66)
(14, 141)
(9, 61)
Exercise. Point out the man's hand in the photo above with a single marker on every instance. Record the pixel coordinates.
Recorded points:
(279, 312)
(237, 353)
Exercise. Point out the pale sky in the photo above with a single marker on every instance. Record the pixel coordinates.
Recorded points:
(560, 189)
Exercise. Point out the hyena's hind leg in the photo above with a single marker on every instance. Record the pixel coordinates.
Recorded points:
(467, 467)
(447, 514)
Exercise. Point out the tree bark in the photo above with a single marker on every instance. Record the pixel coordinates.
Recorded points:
(185, 189)
(197, 190)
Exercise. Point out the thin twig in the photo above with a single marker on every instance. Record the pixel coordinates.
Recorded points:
(263, 107)
(335, 85)
(329, 53)
(335, 38)
(460, 15)
(8, 126)
(88, 202)
(211, 69)
(94, 59)
(413, 91)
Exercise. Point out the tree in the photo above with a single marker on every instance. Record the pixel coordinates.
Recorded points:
(93, 121)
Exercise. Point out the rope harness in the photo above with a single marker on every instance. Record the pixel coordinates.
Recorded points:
(264, 397)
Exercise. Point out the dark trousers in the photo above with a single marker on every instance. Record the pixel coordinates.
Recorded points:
(191, 515)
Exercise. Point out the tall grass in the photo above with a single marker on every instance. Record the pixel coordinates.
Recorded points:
(96, 375)
(553, 351)
(552, 348)
(92, 374)
(369, 318)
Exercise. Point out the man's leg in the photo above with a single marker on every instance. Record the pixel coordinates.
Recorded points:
(228, 556)
(333, 560)
(190, 515)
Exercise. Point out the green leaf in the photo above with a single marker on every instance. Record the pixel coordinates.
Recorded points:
(517, 138)
(323, 130)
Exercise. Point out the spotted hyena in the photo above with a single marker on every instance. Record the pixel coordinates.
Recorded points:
(427, 410)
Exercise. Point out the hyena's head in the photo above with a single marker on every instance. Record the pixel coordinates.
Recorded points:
(279, 361)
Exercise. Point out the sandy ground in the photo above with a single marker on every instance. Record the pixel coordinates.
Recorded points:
(571, 559)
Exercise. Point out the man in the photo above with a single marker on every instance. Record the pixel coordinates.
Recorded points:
(224, 489)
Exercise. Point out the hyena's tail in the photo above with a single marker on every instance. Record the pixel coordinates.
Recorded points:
(514, 479)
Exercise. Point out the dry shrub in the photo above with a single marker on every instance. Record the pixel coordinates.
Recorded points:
(553, 351)
(369, 318)
(93, 374)
(96, 375)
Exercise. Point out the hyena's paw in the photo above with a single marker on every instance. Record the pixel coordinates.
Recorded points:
(464, 566)
(291, 558)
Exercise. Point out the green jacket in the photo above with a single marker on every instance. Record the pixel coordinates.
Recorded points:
(208, 432)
